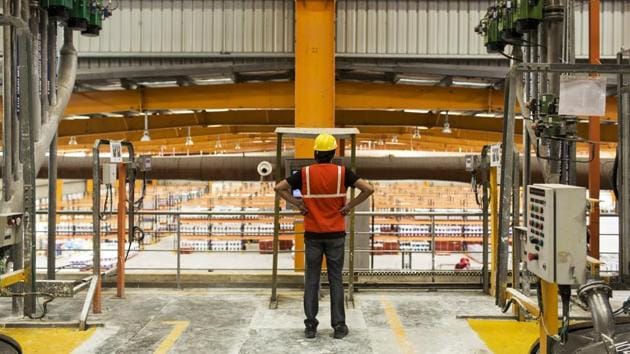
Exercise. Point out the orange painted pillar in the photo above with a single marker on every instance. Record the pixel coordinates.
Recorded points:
(122, 197)
(594, 132)
(314, 73)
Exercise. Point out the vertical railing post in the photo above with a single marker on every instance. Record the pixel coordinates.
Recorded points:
(179, 251)
(273, 302)
(433, 246)
(96, 227)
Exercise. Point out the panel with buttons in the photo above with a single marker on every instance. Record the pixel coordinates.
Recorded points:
(556, 232)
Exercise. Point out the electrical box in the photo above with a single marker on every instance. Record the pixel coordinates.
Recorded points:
(144, 163)
(9, 225)
(472, 162)
(556, 233)
(109, 173)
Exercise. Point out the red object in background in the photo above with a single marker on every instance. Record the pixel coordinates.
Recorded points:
(464, 263)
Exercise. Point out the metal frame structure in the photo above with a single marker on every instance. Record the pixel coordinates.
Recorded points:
(96, 212)
(310, 133)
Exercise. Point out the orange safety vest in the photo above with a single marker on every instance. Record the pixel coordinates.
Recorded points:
(324, 194)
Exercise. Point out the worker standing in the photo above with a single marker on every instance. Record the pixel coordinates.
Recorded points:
(323, 204)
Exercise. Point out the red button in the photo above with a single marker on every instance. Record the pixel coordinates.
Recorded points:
(532, 256)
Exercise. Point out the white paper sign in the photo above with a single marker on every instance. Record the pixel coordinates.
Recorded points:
(495, 155)
(583, 96)
(115, 150)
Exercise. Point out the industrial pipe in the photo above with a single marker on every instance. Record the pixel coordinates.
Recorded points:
(243, 168)
(67, 75)
(596, 295)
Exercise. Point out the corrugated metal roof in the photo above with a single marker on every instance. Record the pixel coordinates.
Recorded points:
(371, 28)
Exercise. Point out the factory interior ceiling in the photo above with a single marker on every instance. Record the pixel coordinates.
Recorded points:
(233, 106)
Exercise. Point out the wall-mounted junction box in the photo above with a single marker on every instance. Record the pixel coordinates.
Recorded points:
(556, 233)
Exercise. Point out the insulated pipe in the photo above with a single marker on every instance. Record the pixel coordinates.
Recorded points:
(67, 75)
(239, 168)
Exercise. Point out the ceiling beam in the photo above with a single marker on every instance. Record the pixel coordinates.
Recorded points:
(272, 118)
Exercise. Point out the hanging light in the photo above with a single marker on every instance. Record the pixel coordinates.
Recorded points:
(416, 133)
(189, 141)
(395, 139)
(145, 135)
(218, 144)
(237, 146)
(447, 126)
(380, 142)
(73, 140)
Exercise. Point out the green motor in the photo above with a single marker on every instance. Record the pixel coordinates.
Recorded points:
(528, 14)
(95, 19)
(79, 18)
(507, 25)
(494, 43)
(59, 9)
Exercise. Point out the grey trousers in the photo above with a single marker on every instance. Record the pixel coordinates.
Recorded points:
(334, 251)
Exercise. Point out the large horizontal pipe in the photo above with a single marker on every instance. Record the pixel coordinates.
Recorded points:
(239, 168)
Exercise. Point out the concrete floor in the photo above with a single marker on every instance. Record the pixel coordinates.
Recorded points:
(239, 321)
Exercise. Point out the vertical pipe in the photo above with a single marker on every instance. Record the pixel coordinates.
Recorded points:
(494, 228)
(120, 226)
(7, 101)
(516, 242)
(624, 177)
(594, 133)
(52, 62)
(52, 209)
(43, 73)
(96, 228)
(485, 207)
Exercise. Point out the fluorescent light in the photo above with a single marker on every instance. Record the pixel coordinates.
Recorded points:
(453, 113)
(77, 117)
(488, 115)
(412, 81)
(181, 111)
(422, 111)
(422, 127)
(158, 83)
(213, 81)
(471, 84)
(213, 110)
(214, 126)
(112, 115)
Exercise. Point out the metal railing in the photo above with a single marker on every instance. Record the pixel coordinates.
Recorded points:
(380, 260)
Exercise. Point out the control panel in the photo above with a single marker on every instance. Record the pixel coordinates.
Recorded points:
(9, 228)
(556, 233)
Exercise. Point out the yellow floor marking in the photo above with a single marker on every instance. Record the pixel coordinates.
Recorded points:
(178, 328)
(48, 340)
(506, 337)
(396, 325)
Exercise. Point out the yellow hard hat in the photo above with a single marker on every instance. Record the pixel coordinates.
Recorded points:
(325, 142)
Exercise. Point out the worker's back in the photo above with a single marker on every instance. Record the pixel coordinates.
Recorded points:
(324, 193)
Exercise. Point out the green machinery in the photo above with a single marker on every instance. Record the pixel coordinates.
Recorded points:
(507, 21)
(81, 15)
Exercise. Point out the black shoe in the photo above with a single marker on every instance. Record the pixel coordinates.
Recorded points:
(310, 331)
(340, 331)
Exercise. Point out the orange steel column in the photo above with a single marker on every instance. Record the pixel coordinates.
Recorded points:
(314, 68)
(122, 197)
(314, 73)
(594, 132)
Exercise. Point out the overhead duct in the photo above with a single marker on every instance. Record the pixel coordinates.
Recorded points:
(239, 168)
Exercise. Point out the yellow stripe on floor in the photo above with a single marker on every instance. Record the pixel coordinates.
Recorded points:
(178, 328)
(48, 340)
(397, 327)
(506, 337)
